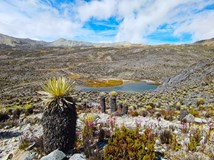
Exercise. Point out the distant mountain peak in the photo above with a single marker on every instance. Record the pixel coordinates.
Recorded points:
(61, 40)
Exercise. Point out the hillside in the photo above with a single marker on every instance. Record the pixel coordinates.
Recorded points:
(207, 42)
(191, 83)
(7, 41)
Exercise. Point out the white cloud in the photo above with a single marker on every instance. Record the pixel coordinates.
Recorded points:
(97, 9)
(35, 19)
(200, 26)
(39, 19)
(147, 19)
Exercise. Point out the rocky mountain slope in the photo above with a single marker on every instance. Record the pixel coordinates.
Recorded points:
(193, 82)
(201, 73)
(7, 41)
(67, 43)
(208, 42)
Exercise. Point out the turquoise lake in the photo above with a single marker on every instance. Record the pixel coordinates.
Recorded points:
(126, 87)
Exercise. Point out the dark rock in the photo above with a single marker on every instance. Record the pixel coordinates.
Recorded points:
(16, 113)
(3, 117)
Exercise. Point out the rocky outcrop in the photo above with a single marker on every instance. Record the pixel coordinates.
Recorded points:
(201, 73)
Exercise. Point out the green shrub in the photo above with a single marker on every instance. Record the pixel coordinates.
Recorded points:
(129, 144)
(194, 112)
(113, 93)
(195, 139)
(25, 143)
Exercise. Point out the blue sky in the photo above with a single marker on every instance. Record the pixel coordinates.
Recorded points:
(106, 21)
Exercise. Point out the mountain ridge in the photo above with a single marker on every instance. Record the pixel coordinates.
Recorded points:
(207, 42)
(6, 40)
(9, 41)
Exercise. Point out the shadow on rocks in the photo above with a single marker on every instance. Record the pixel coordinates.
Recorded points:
(9, 134)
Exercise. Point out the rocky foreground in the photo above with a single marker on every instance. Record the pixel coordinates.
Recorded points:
(180, 113)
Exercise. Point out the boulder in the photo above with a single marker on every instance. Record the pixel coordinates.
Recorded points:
(77, 156)
(182, 114)
(27, 155)
(200, 120)
(55, 155)
(189, 118)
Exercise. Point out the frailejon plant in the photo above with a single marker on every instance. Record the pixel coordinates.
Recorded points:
(130, 144)
(113, 101)
(59, 117)
(103, 102)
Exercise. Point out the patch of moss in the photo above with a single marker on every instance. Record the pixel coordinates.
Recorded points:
(28, 106)
(103, 83)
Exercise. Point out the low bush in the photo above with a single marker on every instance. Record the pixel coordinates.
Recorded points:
(129, 144)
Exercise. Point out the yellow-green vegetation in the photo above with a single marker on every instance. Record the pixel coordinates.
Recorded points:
(148, 107)
(124, 102)
(25, 142)
(113, 93)
(200, 101)
(28, 106)
(195, 139)
(18, 107)
(55, 88)
(202, 107)
(210, 106)
(194, 112)
(134, 113)
(174, 145)
(104, 83)
(129, 144)
(183, 107)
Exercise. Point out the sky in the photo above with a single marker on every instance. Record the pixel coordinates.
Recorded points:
(109, 21)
